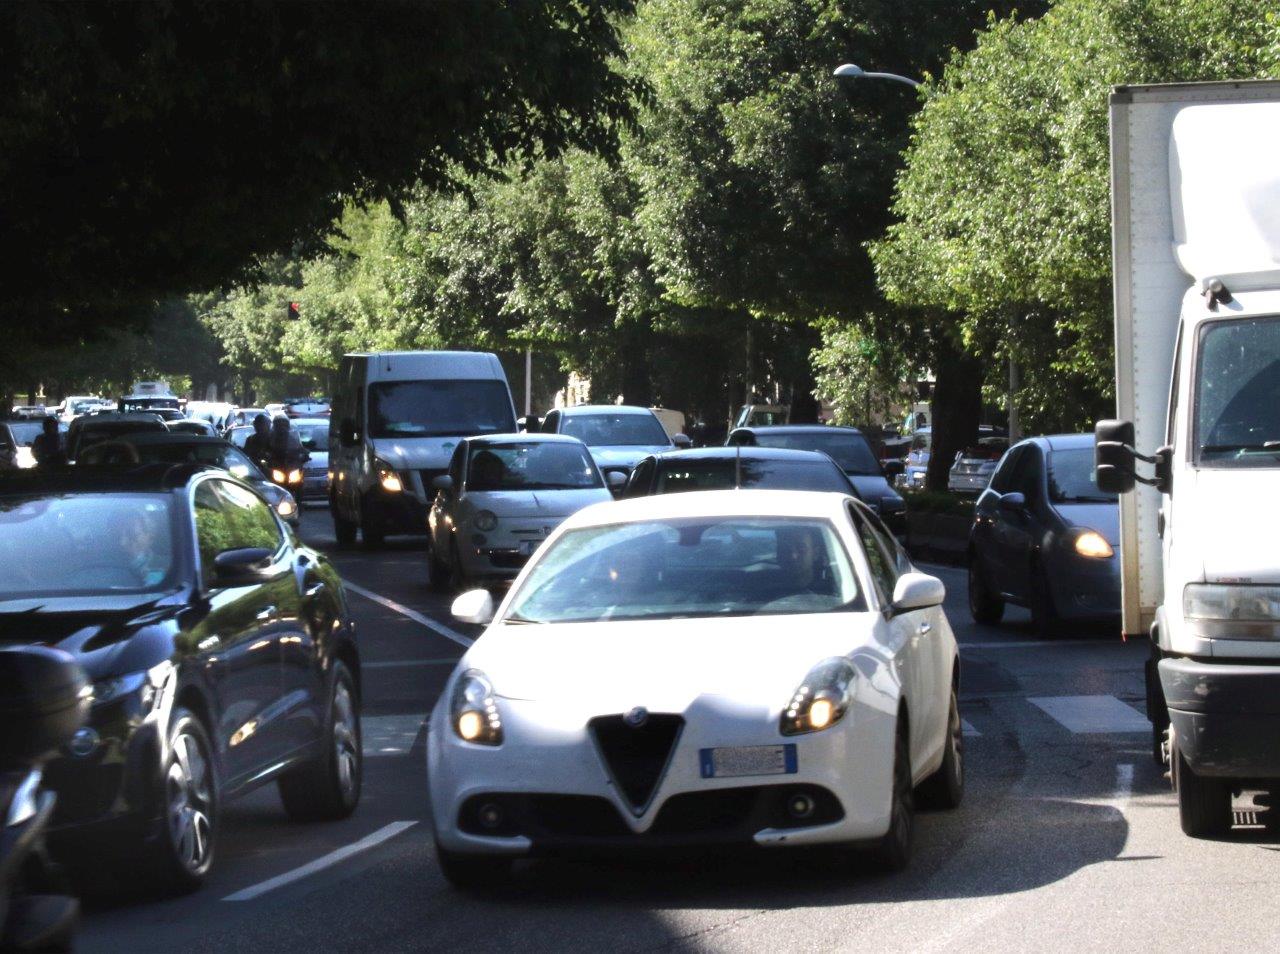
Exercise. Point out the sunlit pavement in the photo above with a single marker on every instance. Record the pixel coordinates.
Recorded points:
(1068, 838)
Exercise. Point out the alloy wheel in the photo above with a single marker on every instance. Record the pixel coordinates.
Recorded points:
(189, 798)
(346, 746)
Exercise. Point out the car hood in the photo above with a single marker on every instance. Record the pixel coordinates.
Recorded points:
(539, 503)
(665, 665)
(1234, 518)
(871, 487)
(1102, 517)
(93, 629)
(416, 453)
(625, 455)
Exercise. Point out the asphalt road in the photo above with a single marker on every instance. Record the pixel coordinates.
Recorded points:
(1067, 840)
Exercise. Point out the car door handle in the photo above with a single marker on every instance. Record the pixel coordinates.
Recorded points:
(267, 612)
(926, 628)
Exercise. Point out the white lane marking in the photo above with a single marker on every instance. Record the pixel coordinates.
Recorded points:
(414, 615)
(1038, 643)
(968, 729)
(407, 663)
(389, 735)
(1093, 715)
(321, 863)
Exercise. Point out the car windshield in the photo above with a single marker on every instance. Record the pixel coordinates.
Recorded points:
(439, 408)
(1238, 394)
(25, 432)
(222, 456)
(314, 437)
(724, 473)
(1071, 477)
(689, 567)
(850, 451)
(536, 465)
(605, 429)
(85, 544)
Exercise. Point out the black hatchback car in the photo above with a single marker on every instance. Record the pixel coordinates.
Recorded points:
(220, 649)
(722, 468)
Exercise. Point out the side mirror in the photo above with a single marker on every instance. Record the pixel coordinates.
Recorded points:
(682, 441)
(917, 591)
(348, 435)
(241, 566)
(1013, 502)
(1113, 456)
(616, 481)
(474, 606)
(893, 468)
(532, 424)
(443, 482)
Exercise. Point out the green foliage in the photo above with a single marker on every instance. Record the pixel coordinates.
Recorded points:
(863, 377)
(1004, 204)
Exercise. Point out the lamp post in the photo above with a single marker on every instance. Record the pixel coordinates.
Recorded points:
(849, 71)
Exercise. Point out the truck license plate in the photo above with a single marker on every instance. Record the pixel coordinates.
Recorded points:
(735, 761)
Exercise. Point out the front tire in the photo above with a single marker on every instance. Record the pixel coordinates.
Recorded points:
(1204, 804)
(893, 851)
(945, 787)
(328, 788)
(438, 572)
(984, 605)
(181, 853)
(473, 873)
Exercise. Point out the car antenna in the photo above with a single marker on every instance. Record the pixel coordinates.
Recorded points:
(737, 467)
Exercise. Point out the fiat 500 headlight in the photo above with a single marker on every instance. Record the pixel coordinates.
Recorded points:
(485, 520)
(822, 699)
(473, 710)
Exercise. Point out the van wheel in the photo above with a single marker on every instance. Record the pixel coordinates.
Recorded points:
(1204, 804)
(984, 605)
(372, 533)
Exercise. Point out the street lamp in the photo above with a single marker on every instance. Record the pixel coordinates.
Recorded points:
(849, 71)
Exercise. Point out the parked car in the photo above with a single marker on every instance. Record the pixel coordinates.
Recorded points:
(73, 407)
(313, 434)
(17, 435)
(617, 435)
(726, 468)
(243, 416)
(851, 450)
(92, 429)
(220, 649)
(1045, 537)
(167, 448)
(199, 427)
(975, 464)
(500, 499)
(759, 669)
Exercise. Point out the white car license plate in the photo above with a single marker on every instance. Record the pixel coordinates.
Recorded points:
(735, 761)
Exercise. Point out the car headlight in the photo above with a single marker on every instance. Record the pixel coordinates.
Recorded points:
(1215, 601)
(286, 507)
(295, 476)
(822, 699)
(1091, 544)
(143, 685)
(473, 711)
(485, 520)
(278, 475)
(388, 477)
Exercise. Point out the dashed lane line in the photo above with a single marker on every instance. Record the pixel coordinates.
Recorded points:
(431, 624)
(320, 864)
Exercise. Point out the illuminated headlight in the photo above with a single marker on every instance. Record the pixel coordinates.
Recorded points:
(822, 699)
(1212, 601)
(286, 507)
(473, 711)
(388, 477)
(1091, 544)
(294, 476)
(485, 520)
(278, 475)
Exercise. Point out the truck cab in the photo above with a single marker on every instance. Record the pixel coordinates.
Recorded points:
(1196, 243)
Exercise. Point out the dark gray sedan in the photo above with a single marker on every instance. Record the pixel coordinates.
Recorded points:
(1045, 537)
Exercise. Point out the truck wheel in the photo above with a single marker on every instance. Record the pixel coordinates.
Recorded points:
(1204, 804)
(372, 533)
(984, 605)
(1044, 615)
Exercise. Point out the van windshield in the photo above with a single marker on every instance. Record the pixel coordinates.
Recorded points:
(1238, 394)
(439, 408)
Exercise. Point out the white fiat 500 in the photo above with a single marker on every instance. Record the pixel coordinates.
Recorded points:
(717, 668)
(501, 497)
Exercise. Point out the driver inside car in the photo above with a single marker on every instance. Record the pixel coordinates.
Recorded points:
(143, 546)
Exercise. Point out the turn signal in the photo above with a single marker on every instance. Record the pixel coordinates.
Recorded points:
(1091, 544)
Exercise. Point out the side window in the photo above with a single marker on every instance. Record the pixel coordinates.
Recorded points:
(1003, 477)
(1028, 477)
(883, 568)
(231, 517)
(456, 465)
(897, 554)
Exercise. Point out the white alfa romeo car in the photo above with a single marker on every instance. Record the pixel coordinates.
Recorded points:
(718, 668)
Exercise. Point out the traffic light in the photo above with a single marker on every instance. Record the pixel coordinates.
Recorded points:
(295, 310)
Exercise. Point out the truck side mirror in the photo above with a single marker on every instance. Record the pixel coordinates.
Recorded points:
(1113, 456)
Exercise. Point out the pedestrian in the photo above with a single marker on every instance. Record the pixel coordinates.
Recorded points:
(47, 448)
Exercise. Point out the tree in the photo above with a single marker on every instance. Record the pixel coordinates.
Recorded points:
(168, 147)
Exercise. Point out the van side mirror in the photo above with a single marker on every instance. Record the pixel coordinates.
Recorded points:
(1114, 456)
(348, 435)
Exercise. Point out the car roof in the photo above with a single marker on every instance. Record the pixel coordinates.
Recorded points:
(712, 503)
(149, 438)
(137, 478)
(603, 409)
(1066, 441)
(747, 453)
(491, 440)
(798, 429)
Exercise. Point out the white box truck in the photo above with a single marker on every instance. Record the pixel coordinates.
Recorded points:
(1195, 176)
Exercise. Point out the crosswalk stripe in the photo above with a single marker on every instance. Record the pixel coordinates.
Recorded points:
(1092, 715)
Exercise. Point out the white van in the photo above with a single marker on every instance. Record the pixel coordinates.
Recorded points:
(397, 416)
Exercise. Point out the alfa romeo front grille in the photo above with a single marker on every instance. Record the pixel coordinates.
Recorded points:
(636, 756)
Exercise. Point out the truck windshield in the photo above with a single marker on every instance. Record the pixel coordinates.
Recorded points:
(1238, 394)
(439, 408)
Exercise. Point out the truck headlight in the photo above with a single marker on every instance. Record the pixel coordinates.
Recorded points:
(822, 699)
(1220, 602)
(473, 710)
(1091, 544)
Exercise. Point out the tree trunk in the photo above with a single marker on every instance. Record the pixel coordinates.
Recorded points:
(957, 409)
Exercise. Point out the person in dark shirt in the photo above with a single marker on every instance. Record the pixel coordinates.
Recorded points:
(47, 448)
(258, 445)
